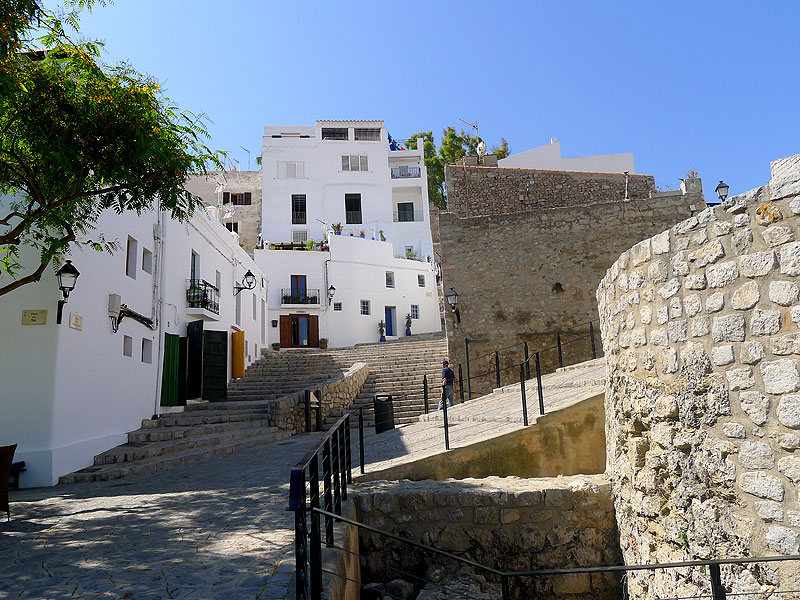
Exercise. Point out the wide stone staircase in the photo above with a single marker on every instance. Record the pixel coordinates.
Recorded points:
(203, 430)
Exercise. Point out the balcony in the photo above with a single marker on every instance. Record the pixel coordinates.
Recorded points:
(304, 298)
(408, 216)
(202, 299)
(405, 172)
(298, 217)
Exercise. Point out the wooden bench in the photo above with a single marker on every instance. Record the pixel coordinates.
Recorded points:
(16, 469)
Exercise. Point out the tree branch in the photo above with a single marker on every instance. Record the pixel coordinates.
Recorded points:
(37, 274)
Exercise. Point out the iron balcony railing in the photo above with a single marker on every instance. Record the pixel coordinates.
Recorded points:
(352, 217)
(408, 216)
(201, 294)
(298, 217)
(405, 172)
(289, 296)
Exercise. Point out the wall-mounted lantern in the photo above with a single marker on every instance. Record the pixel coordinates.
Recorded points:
(67, 276)
(722, 190)
(452, 300)
(331, 292)
(249, 283)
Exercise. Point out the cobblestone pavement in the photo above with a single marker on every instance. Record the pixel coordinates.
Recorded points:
(217, 529)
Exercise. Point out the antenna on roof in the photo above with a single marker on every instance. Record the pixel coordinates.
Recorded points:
(248, 156)
(481, 147)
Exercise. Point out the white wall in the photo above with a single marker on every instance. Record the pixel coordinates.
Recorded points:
(548, 157)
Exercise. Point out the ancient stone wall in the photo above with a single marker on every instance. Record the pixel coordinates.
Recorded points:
(478, 191)
(507, 523)
(527, 275)
(700, 329)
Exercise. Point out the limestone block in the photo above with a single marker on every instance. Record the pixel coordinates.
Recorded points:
(707, 215)
(675, 307)
(660, 243)
(780, 376)
(742, 240)
(509, 515)
(715, 302)
(794, 206)
(666, 407)
(769, 510)
(740, 379)
(746, 296)
(622, 284)
(734, 430)
(692, 304)
(742, 220)
(686, 226)
(649, 294)
(681, 243)
(639, 337)
(729, 328)
(777, 235)
(657, 272)
(789, 411)
(699, 238)
(630, 321)
(677, 331)
(658, 337)
(796, 315)
(708, 254)
(756, 455)
(757, 264)
(679, 264)
(648, 360)
(784, 293)
(662, 315)
(699, 326)
(785, 345)
(787, 441)
(646, 314)
(790, 466)
(640, 253)
(765, 322)
(790, 258)
(721, 228)
(781, 539)
(722, 274)
(752, 352)
(635, 280)
(722, 355)
(670, 288)
(662, 434)
(762, 485)
(669, 360)
(793, 517)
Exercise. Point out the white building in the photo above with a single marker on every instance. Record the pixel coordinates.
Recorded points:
(548, 157)
(369, 285)
(344, 172)
(73, 390)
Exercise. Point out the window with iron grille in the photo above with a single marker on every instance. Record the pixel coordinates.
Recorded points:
(240, 199)
(355, 162)
(421, 280)
(299, 236)
(389, 279)
(337, 306)
(415, 311)
(352, 209)
(334, 133)
(299, 209)
(367, 134)
(365, 307)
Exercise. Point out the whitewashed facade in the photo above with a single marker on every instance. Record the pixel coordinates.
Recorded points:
(73, 390)
(548, 157)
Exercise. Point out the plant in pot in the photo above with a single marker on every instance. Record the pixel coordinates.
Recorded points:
(408, 324)
(337, 228)
(323, 343)
(382, 330)
(276, 346)
(362, 233)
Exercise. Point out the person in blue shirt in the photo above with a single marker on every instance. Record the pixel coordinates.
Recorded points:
(448, 385)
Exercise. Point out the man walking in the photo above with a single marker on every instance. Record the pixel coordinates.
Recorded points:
(448, 385)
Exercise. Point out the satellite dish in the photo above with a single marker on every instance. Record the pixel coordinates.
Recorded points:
(481, 148)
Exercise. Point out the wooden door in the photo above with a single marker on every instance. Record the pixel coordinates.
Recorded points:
(313, 331)
(237, 354)
(286, 331)
(194, 359)
(182, 352)
(215, 365)
(169, 374)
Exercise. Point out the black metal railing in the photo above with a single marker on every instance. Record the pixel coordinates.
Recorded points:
(309, 578)
(201, 294)
(308, 494)
(408, 216)
(289, 296)
(405, 172)
(298, 217)
(352, 217)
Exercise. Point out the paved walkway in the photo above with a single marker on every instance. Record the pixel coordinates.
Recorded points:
(212, 530)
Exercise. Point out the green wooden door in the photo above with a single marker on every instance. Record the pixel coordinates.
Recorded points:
(169, 378)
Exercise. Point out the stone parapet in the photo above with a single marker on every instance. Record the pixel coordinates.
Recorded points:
(700, 331)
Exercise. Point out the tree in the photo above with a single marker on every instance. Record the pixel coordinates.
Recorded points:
(78, 137)
(434, 166)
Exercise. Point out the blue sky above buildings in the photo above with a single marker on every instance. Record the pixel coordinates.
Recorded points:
(708, 85)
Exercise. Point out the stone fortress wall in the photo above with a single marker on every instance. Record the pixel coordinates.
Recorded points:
(525, 275)
(700, 329)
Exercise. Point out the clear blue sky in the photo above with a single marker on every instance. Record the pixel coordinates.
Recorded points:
(709, 85)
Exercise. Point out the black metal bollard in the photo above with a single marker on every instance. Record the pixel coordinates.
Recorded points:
(348, 451)
(460, 385)
(591, 335)
(315, 542)
(717, 590)
(308, 410)
(497, 367)
(469, 381)
(527, 362)
(539, 385)
(560, 353)
(425, 391)
(446, 427)
(319, 409)
(327, 484)
(361, 437)
(524, 397)
(297, 503)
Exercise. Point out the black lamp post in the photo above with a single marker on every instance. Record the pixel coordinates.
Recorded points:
(249, 283)
(452, 300)
(331, 292)
(722, 190)
(67, 277)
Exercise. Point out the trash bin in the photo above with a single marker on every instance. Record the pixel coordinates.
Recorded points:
(384, 413)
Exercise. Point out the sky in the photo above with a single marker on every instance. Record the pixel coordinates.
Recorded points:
(712, 86)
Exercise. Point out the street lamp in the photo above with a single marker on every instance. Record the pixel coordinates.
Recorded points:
(452, 300)
(331, 292)
(67, 277)
(249, 283)
(722, 190)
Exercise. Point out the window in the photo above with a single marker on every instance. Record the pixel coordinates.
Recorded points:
(239, 309)
(337, 306)
(389, 279)
(367, 134)
(365, 307)
(298, 283)
(195, 268)
(255, 308)
(299, 236)
(127, 345)
(354, 162)
(415, 311)
(147, 351)
(298, 209)
(218, 280)
(405, 212)
(130, 257)
(233, 226)
(241, 199)
(291, 169)
(147, 261)
(352, 209)
(334, 133)
(421, 280)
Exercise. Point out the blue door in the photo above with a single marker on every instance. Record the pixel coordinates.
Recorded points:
(390, 318)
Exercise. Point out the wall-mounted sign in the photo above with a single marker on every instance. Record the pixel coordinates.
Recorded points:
(34, 317)
(75, 322)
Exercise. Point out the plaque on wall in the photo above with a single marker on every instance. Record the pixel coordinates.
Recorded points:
(34, 317)
(75, 322)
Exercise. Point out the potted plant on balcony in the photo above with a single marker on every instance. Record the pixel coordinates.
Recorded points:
(382, 330)
(337, 228)
(362, 233)
(276, 346)
(323, 343)
(408, 324)
(194, 295)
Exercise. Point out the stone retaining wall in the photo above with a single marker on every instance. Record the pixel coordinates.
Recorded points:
(507, 523)
(288, 412)
(700, 330)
